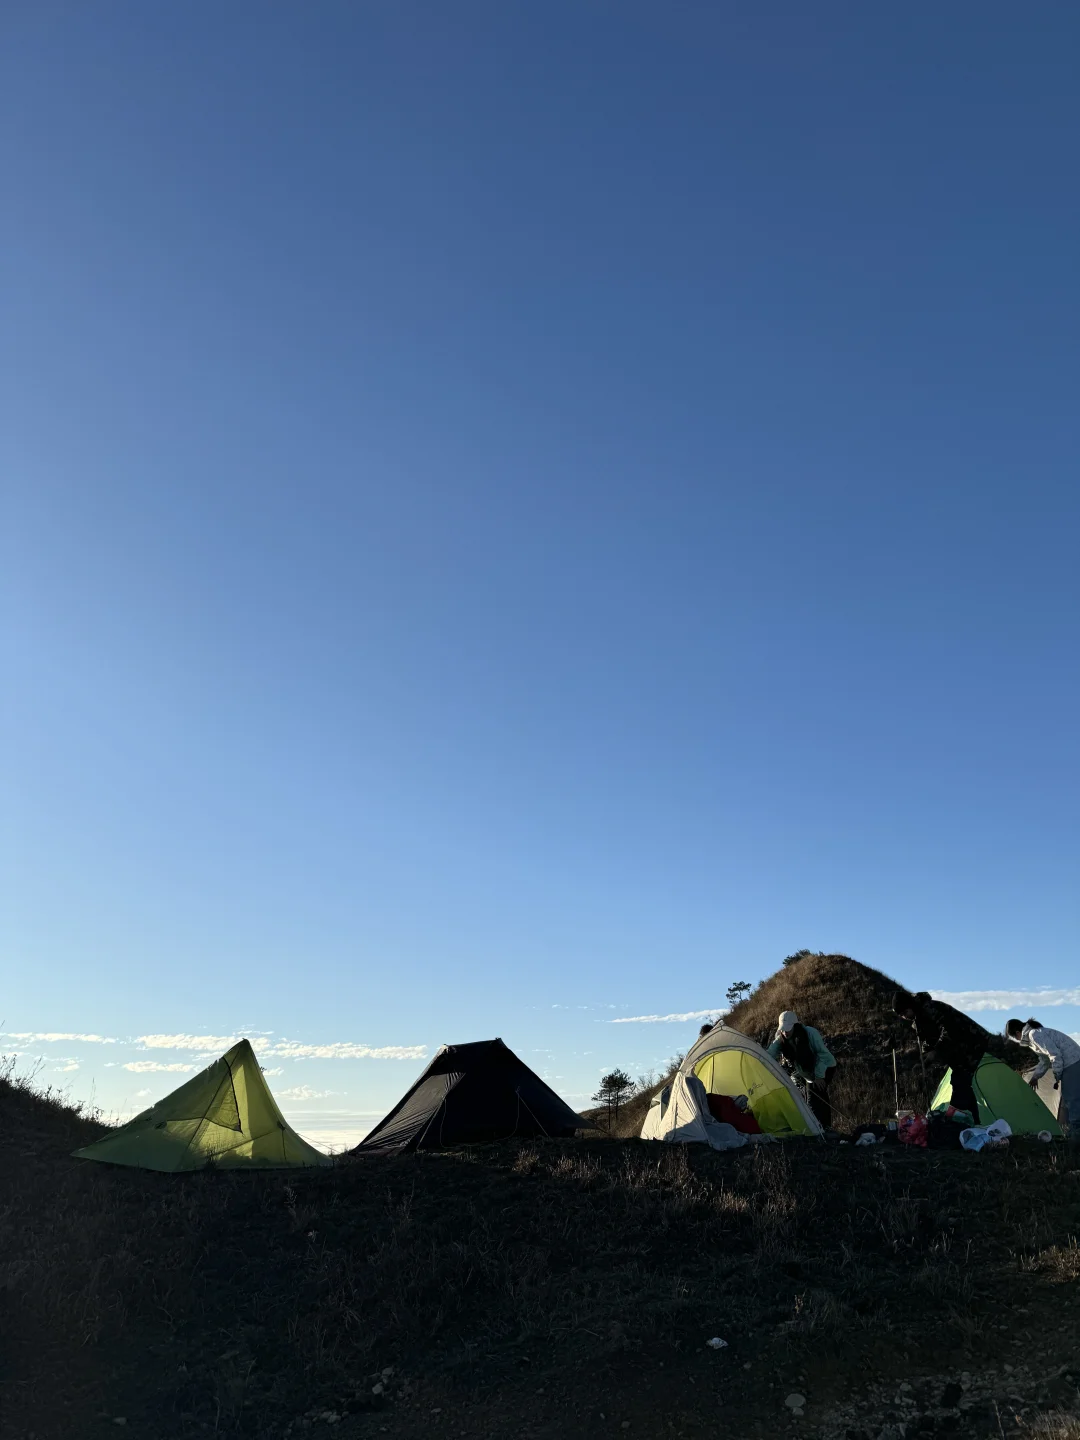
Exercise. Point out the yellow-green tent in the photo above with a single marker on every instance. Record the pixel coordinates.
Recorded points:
(225, 1115)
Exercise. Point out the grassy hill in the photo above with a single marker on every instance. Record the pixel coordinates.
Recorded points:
(551, 1291)
(851, 1004)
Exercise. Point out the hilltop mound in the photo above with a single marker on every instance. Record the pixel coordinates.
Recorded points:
(851, 1004)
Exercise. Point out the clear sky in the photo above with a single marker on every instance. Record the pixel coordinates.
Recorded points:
(517, 515)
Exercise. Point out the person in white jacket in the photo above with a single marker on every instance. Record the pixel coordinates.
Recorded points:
(1061, 1054)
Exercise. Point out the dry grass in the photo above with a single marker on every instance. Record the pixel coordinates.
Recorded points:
(1055, 1426)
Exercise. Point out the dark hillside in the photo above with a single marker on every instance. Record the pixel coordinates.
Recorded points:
(36, 1122)
(556, 1290)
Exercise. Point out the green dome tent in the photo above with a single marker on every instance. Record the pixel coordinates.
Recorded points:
(224, 1116)
(1002, 1095)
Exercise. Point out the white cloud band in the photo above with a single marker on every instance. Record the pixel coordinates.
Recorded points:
(52, 1037)
(146, 1067)
(214, 1045)
(1030, 1000)
(679, 1018)
(343, 1050)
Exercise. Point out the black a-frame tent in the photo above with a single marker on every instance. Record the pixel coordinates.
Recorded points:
(471, 1093)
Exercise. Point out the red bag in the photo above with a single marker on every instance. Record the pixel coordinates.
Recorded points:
(723, 1108)
(913, 1130)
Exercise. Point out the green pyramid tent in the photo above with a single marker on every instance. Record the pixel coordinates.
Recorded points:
(224, 1115)
(1002, 1095)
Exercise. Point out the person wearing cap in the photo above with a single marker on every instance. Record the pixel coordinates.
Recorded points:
(802, 1047)
(1058, 1053)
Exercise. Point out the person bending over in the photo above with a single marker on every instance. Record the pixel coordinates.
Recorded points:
(1061, 1054)
(948, 1038)
(810, 1058)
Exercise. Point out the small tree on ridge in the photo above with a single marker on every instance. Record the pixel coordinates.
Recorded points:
(615, 1089)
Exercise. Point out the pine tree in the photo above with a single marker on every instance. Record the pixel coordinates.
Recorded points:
(615, 1089)
(737, 992)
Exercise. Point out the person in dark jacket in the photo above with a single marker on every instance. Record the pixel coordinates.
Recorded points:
(947, 1038)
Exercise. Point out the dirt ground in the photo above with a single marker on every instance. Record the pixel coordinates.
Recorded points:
(541, 1290)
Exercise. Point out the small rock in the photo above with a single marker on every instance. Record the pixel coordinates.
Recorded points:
(716, 1343)
(377, 1389)
(906, 1387)
(747, 1365)
(795, 1401)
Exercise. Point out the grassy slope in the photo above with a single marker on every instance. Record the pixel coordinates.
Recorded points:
(527, 1290)
(851, 1004)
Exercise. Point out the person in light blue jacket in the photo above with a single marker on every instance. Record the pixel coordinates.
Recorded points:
(806, 1053)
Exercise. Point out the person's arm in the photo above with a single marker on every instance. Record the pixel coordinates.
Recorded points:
(774, 1049)
(930, 1033)
(1051, 1047)
(1040, 1049)
(823, 1056)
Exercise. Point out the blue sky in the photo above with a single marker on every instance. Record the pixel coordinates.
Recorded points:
(517, 516)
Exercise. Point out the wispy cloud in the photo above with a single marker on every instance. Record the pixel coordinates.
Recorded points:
(211, 1046)
(305, 1092)
(142, 1094)
(277, 1070)
(1030, 1000)
(679, 1018)
(343, 1050)
(146, 1067)
(67, 1067)
(214, 1043)
(52, 1037)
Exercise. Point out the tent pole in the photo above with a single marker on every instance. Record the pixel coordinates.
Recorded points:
(895, 1084)
(922, 1067)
